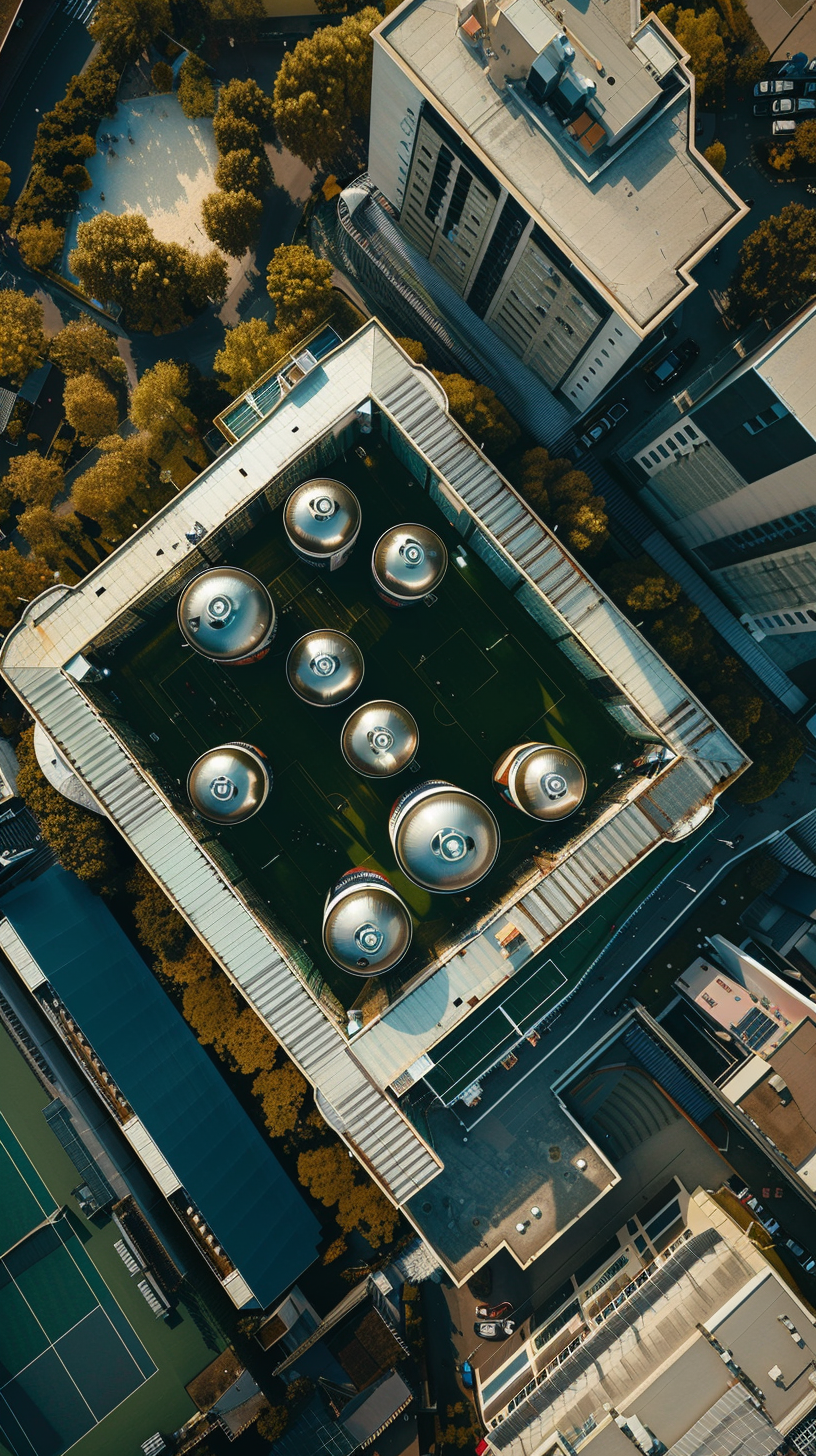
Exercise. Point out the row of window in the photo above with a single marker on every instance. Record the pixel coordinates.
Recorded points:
(678, 441)
(767, 417)
(787, 619)
(605, 352)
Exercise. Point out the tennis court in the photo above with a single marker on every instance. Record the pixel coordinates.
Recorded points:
(68, 1355)
(468, 1052)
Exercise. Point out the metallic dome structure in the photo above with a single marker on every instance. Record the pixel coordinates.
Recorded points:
(444, 838)
(227, 614)
(379, 739)
(408, 563)
(324, 668)
(322, 522)
(366, 925)
(228, 784)
(542, 780)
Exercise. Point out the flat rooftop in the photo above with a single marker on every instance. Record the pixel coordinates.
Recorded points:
(638, 225)
(474, 669)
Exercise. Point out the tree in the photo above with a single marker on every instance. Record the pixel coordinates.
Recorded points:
(157, 403)
(77, 176)
(323, 90)
(34, 480)
(251, 1045)
(22, 341)
(281, 1091)
(247, 100)
(22, 578)
(534, 473)
(641, 585)
(585, 527)
(5, 180)
(43, 197)
(272, 1422)
(82, 841)
(51, 538)
(699, 34)
(232, 220)
(241, 16)
(777, 264)
(159, 926)
(196, 92)
(249, 350)
(83, 347)
(209, 1006)
(804, 142)
(159, 285)
(40, 242)
(120, 486)
(331, 1176)
(244, 171)
(414, 350)
(235, 134)
(299, 284)
(752, 65)
(738, 709)
(161, 78)
(90, 408)
(715, 154)
(124, 27)
(681, 634)
(775, 746)
(480, 412)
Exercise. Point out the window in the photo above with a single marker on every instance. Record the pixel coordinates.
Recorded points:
(691, 432)
(765, 418)
(662, 1220)
(801, 616)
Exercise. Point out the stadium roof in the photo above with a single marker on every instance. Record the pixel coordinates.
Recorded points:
(185, 1105)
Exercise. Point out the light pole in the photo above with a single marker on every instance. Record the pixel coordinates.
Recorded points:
(687, 886)
(729, 842)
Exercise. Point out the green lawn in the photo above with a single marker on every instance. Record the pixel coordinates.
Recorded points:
(179, 1352)
(474, 669)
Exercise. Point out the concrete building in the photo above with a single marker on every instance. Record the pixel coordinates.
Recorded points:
(543, 161)
(368, 383)
(732, 478)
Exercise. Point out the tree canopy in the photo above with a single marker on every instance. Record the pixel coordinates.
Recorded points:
(124, 27)
(122, 485)
(333, 1178)
(641, 585)
(299, 284)
(40, 242)
(563, 497)
(249, 350)
(52, 538)
(157, 403)
(161, 77)
(323, 90)
(244, 171)
(21, 579)
(196, 92)
(90, 408)
(700, 33)
(159, 285)
(232, 220)
(480, 411)
(34, 480)
(22, 340)
(776, 268)
(82, 841)
(84, 347)
(282, 1091)
(245, 98)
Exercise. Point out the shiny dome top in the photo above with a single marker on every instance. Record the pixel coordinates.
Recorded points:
(228, 784)
(545, 781)
(379, 739)
(409, 561)
(226, 613)
(444, 838)
(325, 668)
(321, 517)
(366, 925)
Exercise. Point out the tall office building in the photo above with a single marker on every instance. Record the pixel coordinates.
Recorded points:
(542, 160)
(734, 480)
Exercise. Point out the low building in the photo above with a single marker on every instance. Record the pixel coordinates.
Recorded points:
(731, 478)
(218, 1174)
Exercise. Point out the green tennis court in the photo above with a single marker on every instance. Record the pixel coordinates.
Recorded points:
(68, 1355)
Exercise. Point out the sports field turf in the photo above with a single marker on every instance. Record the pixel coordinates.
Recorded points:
(68, 1355)
(475, 670)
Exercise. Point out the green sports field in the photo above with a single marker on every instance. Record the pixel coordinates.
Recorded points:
(475, 670)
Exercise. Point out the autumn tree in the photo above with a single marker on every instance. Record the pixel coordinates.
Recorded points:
(209, 1006)
(641, 585)
(159, 285)
(699, 33)
(535, 471)
(332, 1177)
(480, 412)
(196, 92)
(5, 180)
(122, 486)
(90, 408)
(323, 90)
(241, 16)
(22, 340)
(84, 347)
(232, 220)
(159, 926)
(34, 480)
(716, 155)
(584, 526)
(299, 285)
(776, 268)
(21, 579)
(124, 27)
(272, 1422)
(281, 1092)
(40, 242)
(235, 134)
(244, 171)
(249, 350)
(157, 403)
(414, 350)
(52, 538)
(161, 77)
(82, 841)
(804, 142)
(77, 176)
(247, 100)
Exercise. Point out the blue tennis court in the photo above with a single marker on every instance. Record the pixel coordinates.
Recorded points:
(68, 1355)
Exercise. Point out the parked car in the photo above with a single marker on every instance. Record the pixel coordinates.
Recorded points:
(773, 88)
(784, 128)
(494, 1329)
(494, 1311)
(808, 1263)
(762, 108)
(604, 424)
(787, 104)
(467, 1375)
(671, 366)
(796, 1249)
